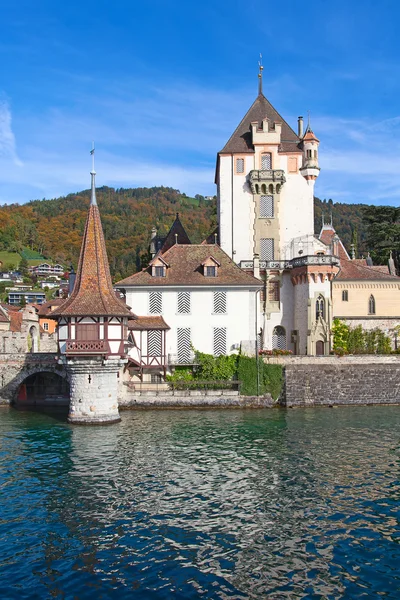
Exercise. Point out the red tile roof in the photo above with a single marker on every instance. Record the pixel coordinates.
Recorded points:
(310, 136)
(185, 269)
(240, 140)
(352, 269)
(15, 321)
(326, 236)
(93, 292)
(144, 323)
(47, 307)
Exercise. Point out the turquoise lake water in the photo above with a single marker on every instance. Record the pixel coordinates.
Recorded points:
(209, 504)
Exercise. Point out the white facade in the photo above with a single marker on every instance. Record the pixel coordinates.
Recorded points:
(265, 178)
(231, 312)
(237, 211)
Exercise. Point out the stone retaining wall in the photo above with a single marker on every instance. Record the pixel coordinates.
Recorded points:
(193, 399)
(347, 380)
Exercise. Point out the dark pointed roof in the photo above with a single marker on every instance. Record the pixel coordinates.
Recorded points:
(240, 140)
(176, 229)
(213, 238)
(93, 293)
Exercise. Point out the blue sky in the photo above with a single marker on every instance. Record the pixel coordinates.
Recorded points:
(161, 85)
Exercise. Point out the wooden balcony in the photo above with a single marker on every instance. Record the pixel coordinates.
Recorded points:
(87, 347)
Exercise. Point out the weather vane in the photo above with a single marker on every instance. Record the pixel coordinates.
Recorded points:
(92, 153)
(260, 70)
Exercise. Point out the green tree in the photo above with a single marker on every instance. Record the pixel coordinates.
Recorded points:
(340, 332)
(383, 232)
(23, 267)
(356, 340)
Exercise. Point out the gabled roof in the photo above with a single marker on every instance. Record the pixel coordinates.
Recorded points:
(240, 140)
(326, 235)
(176, 234)
(185, 270)
(47, 307)
(93, 292)
(145, 323)
(210, 257)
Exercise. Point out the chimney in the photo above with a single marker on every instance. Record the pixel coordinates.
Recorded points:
(256, 266)
(391, 265)
(300, 127)
(153, 236)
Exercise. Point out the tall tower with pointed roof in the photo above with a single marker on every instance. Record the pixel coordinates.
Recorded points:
(265, 177)
(265, 185)
(92, 329)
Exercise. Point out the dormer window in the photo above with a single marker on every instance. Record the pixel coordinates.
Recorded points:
(210, 267)
(158, 267)
(210, 271)
(159, 271)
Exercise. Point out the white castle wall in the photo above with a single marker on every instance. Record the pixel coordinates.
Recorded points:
(239, 319)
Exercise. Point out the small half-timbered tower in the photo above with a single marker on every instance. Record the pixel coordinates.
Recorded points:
(92, 330)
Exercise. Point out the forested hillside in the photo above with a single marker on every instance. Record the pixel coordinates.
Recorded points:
(348, 221)
(54, 228)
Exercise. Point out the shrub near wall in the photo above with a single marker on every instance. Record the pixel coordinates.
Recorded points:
(356, 340)
(270, 377)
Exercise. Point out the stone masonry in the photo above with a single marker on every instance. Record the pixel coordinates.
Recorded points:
(93, 390)
(332, 381)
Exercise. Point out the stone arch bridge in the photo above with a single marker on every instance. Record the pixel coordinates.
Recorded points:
(17, 368)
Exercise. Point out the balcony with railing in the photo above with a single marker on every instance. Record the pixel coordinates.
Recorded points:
(87, 347)
(259, 179)
(300, 261)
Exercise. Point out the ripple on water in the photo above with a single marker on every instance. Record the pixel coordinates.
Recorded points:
(202, 504)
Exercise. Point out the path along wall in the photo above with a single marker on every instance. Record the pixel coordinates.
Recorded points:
(329, 380)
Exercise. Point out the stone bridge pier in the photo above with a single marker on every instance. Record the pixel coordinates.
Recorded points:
(16, 368)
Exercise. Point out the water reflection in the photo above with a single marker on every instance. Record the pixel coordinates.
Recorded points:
(202, 504)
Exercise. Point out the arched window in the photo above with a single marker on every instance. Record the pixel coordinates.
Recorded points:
(279, 338)
(320, 308)
(266, 160)
(371, 305)
(345, 296)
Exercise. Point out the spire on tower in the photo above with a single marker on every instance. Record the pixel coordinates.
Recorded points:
(260, 74)
(93, 175)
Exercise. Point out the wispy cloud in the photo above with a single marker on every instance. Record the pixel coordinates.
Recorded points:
(7, 139)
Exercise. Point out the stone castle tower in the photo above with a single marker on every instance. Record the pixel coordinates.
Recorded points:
(265, 178)
(92, 329)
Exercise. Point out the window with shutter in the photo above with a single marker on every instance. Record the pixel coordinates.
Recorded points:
(266, 207)
(183, 303)
(155, 303)
(266, 249)
(220, 303)
(219, 341)
(240, 165)
(266, 161)
(154, 342)
(183, 344)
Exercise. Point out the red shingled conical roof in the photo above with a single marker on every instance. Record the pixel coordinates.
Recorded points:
(93, 293)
